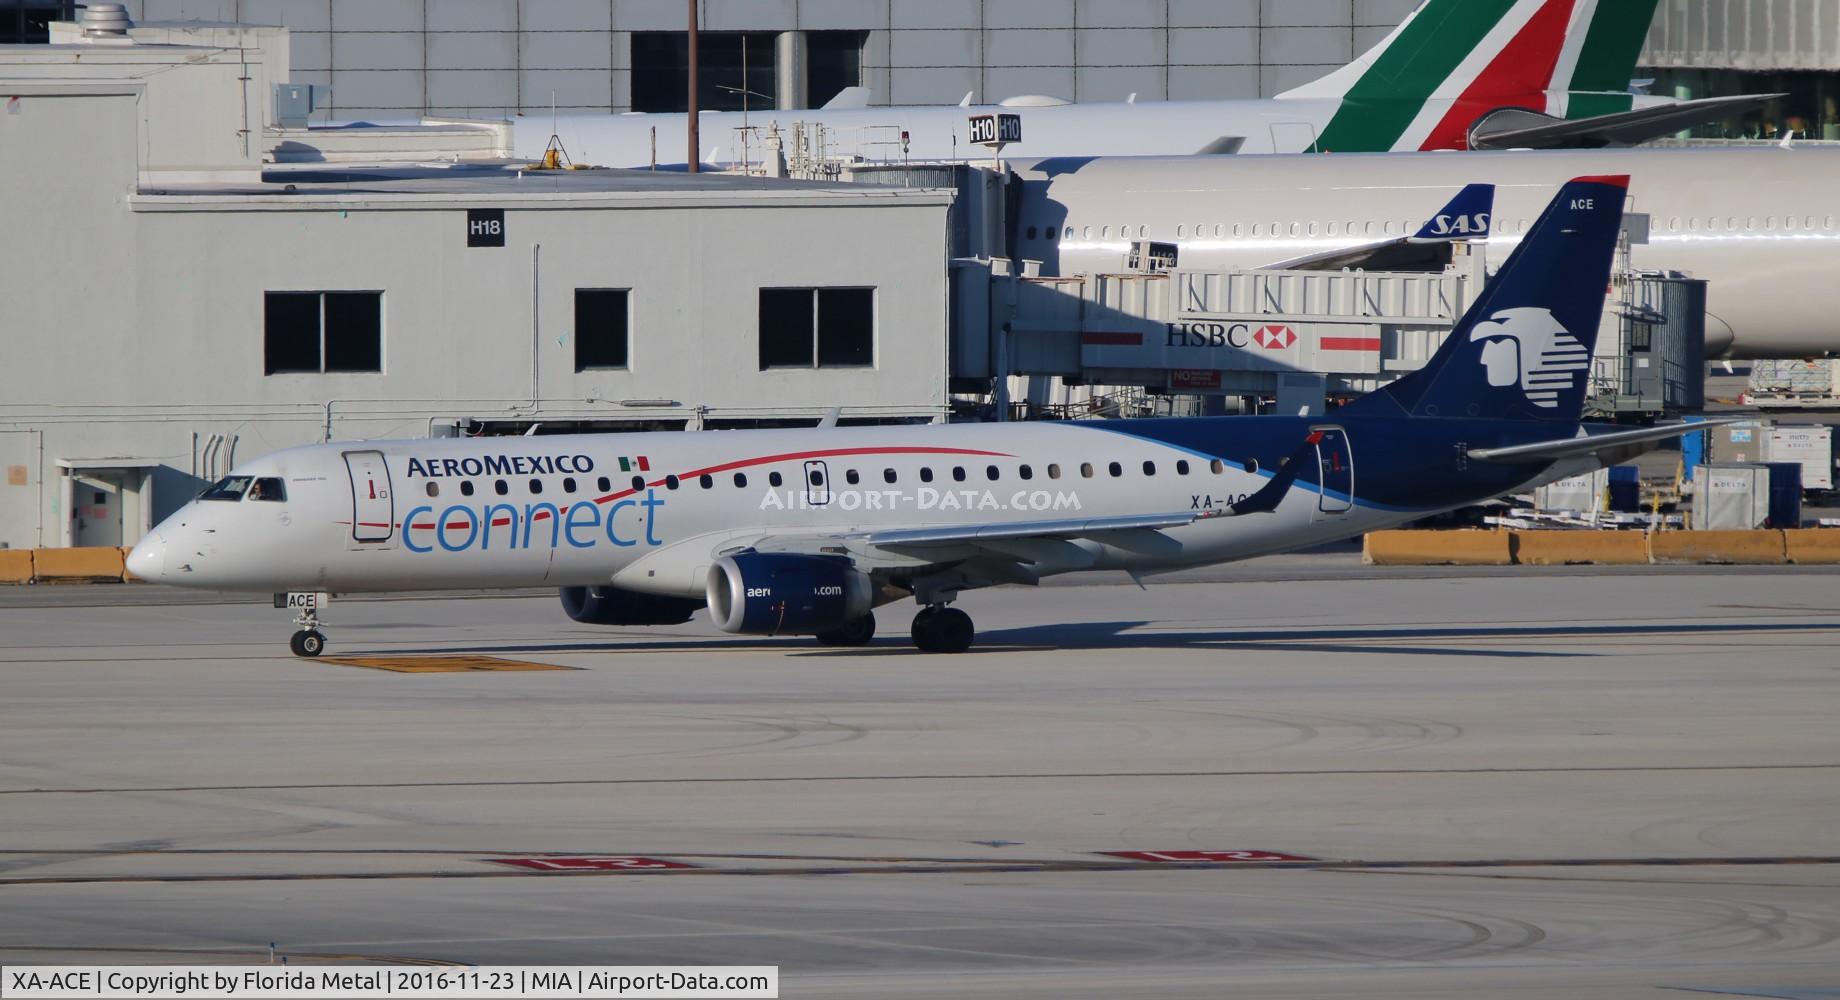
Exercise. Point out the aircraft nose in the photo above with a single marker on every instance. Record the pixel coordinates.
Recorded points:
(148, 560)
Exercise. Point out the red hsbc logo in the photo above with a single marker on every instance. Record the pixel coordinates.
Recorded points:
(1274, 337)
(1205, 857)
(617, 864)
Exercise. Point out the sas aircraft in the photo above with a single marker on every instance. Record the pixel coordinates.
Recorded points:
(806, 532)
(1761, 225)
(1522, 73)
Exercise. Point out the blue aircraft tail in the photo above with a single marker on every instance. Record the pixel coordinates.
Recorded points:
(1467, 217)
(1523, 350)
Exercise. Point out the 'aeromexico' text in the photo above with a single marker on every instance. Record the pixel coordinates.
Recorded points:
(500, 465)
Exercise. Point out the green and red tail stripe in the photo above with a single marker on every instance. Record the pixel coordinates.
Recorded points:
(1452, 61)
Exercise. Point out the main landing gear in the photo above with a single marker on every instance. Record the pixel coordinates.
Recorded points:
(942, 629)
(309, 641)
(853, 633)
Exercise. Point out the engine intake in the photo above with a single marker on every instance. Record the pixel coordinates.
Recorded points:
(763, 594)
(614, 606)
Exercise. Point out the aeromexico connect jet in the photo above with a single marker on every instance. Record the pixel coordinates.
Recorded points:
(1523, 73)
(804, 532)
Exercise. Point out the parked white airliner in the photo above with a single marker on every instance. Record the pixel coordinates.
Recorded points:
(1548, 65)
(805, 531)
(1761, 225)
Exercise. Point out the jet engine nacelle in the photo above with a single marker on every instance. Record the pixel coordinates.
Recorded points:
(764, 594)
(613, 606)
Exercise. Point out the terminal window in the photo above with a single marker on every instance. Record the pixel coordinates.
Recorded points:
(322, 332)
(28, 21)
(601, 320)
(817, 327)
(735, 69)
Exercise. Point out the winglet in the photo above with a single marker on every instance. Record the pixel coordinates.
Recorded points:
(1272, 493)
(849, 98)
(1466, 217)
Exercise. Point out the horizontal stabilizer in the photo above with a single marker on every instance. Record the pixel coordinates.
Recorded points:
(1590, 444)
(849, 99)
(1517, 128)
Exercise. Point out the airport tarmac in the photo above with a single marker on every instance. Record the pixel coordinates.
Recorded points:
(1519, 782)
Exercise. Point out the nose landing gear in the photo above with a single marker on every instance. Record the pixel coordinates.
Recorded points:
(309, 641)
(942, 629)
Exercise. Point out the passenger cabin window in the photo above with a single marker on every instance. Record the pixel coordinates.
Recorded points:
(817, 328)
(228, 488)
(501, 487)
(1182, 467)
(852, 477)
(926, 473)
(315, 332)
(536, 487)
(1026, 472)
(568, 485)
(638, 483)
(466, 489)
(1149, 468)
(1115, 469)
(991, 472)
(1086, 470)
(958, 473)
(706, 481)
(605, 484)
(740, 481)
(888, 476)
(602, 322)
(1217, 466)
(774, 479)
(434, 489)
(1054, 471)
(670, 482)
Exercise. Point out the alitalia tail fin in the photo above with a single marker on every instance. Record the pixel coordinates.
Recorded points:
(1523, 350)
(1452, 61)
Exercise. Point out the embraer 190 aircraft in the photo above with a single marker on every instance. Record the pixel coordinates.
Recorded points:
(804, 532)
(1525, 73)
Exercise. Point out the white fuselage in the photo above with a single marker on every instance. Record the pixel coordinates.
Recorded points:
(936, 133)
(941, 132)
(562, 511)
(1762, 226)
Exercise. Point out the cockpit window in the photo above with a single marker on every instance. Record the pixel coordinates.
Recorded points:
(272, 490)
(227, 488)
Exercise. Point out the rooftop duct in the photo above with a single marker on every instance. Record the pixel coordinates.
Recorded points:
(104, 20)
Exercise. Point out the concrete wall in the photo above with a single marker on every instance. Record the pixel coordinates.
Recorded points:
(134, 321)
(1746, 35)
(398, 58)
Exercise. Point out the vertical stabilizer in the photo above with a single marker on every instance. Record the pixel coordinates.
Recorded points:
(1523, 350)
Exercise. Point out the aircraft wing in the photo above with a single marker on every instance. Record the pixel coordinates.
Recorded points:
(1037, 541)
(1517, 128)
(1592, 444)
(1468, 216)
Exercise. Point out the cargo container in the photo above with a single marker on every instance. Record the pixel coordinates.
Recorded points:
(1731, 497)
(1794, 384)
(1583, 495)
(1811, 447)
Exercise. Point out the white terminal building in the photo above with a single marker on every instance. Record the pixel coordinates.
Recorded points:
(174, 303)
